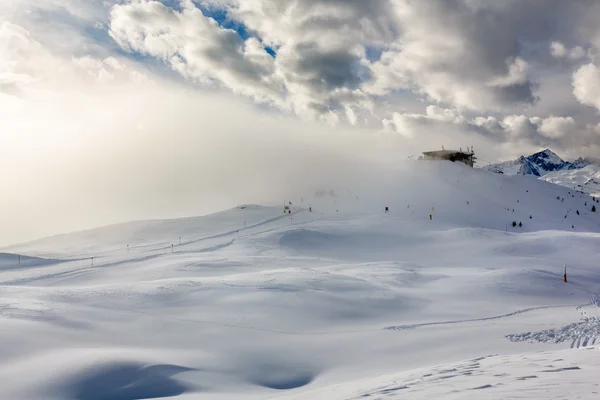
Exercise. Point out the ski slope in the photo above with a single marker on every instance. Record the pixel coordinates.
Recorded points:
(342, 302)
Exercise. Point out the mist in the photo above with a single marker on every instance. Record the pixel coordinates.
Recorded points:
(163, 151)
(98, 142)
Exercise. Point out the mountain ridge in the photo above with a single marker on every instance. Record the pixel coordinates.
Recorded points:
(539, 164)
(586, 179)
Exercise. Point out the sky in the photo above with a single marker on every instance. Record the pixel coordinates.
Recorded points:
(117, 110)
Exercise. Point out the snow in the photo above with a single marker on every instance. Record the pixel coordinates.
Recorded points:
(342, 302)
(545, 375)
(551, 157)
(586, 179)
(538, 164)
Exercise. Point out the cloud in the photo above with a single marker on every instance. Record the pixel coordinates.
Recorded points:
(101, 141)
(24, 62)
(557, 127)
(308, 77)
(142, 109)
(527, 131)
(455, 54)
(343, 60)
(558, 50)
(323, 65)
(586, 85)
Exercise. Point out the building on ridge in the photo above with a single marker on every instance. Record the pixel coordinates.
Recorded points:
(465, 157)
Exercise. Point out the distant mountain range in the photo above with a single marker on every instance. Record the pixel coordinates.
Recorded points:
(539, 164)
(582, 174)
(586, 179)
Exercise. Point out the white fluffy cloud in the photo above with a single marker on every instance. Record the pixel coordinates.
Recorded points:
(197, 48)
(454, 54)
(25, 62)
(336, 58)
(346, 60)
(586, 85)
(557, 127)
(558, 50)
(312, 76)
(510, 128)
(351, 61)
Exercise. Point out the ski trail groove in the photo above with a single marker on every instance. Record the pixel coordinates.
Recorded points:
(299, 333)
(461, 321)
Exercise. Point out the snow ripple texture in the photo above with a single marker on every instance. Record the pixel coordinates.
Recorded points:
(581, 334)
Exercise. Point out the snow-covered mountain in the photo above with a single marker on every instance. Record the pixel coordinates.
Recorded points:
(586, 179)
(538, 164)
(584, 162)
(582, 174)
(442, 297)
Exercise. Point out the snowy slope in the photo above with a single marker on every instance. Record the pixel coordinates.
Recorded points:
(538, 164)
(586, 179)
(335, 303)
(137, 234)
(548, 375)
(19, 261)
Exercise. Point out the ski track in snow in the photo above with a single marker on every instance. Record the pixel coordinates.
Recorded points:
(461, 321)
(284, 332)
(580, 334)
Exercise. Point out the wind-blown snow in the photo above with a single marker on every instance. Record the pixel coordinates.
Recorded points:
(341, 302)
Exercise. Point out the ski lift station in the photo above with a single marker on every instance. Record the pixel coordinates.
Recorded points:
(465, 157)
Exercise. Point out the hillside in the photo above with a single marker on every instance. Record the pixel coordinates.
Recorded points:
(411, 189)
(341, 302)
(17, 261)
(586, 179)
(549, 375)
(151, 234)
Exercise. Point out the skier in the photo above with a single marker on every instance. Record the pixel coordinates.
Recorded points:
(387, 210)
